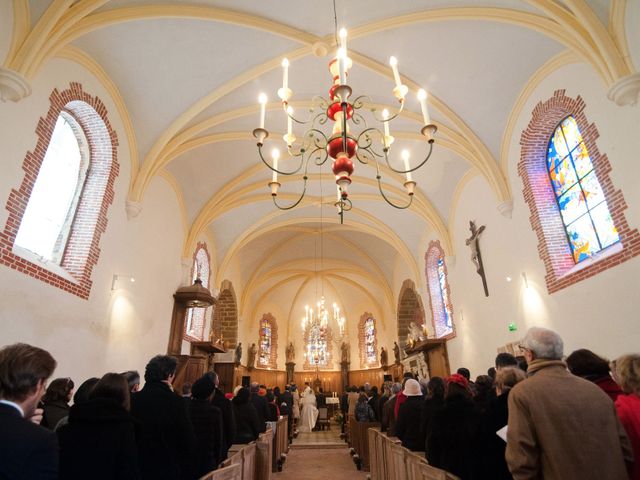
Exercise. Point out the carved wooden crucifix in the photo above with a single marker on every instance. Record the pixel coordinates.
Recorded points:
(476, 257)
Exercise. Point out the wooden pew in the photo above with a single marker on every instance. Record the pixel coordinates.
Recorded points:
(390, 460)
(264, 455)
(231, 472)
(245, 456)
(280, 444)
(359, 442)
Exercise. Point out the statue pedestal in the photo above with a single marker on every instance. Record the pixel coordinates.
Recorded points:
(290, 367)
(344, 373)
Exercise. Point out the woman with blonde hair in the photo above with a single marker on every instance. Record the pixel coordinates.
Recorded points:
(627, 373)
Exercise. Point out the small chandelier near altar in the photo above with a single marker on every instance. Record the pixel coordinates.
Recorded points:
(321, 317)
(342, 145)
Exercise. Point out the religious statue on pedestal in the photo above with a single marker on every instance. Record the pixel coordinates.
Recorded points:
(396, 353)
(251, 359)
(384, 358)
(346, 353)
(238, 355)
(290, 353)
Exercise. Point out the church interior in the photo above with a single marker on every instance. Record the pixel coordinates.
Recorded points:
(228, 203)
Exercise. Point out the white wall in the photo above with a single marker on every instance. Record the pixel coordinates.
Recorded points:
(599, 313)
(112, 330)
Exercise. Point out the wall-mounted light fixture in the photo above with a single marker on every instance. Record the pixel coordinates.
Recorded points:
(508, 278)
(524, 278)
(116, 277)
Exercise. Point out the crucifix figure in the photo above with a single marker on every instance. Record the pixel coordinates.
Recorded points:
(476, 257)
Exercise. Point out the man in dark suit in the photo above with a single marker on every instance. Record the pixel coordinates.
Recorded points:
(28, 450)
(261, 404)
(321, 400)
(166, 439)
(228, 417)
(286, 397)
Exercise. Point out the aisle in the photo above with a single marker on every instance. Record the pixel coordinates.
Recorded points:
(319, 464)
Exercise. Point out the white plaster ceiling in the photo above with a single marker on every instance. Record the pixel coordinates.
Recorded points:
(164, 64)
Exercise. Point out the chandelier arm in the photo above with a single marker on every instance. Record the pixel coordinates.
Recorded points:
(357, 119)
(317, 101)
(297, 202)
(390, 118)
(365, 134)
(399, 207)
(386, 157)
(293, 172)
(360, 102)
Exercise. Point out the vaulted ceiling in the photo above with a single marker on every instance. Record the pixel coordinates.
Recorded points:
(186, 77)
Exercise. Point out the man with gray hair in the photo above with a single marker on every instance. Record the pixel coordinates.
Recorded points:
(561, 426)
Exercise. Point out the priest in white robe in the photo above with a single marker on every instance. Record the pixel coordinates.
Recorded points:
(309, 413)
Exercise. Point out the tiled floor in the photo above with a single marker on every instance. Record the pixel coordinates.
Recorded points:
(320, 439)
(319, 464)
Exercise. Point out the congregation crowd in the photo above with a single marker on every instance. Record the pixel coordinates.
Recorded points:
(543, 416)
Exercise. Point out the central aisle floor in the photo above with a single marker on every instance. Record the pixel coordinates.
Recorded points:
(319, 464)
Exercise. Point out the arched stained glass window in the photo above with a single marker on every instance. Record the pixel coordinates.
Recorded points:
(370, 341)
(581, 201)
(439, 291)
(52, 205)
(265, 342)
(317, 341)
(444, 293)
(194, 325)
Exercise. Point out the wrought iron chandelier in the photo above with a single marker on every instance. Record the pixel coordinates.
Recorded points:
(342, 144)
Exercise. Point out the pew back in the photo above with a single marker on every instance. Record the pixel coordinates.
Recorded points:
(230, 472)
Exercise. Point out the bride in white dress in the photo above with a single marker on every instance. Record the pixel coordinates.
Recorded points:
(309, 413)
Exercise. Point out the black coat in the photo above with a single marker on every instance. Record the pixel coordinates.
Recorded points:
(496, 417)
(262, 409)
(287, 398)
(321, 400)
(429, 407)
(53, 412)
(374, 403)
(98, 442)
(247, 423)
(207, 426)
(454, 439)
(228, 420)
(166, 440)
(27, 451)
(408, 423)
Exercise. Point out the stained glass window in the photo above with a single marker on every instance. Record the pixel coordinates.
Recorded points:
(194, 325)
(444, 293)
(264, 347)
(317, 351)
(582, 204)
(439, 291)
(370, 353)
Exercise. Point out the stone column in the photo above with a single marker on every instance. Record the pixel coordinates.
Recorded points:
(344, 373)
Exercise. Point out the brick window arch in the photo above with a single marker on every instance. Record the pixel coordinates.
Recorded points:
(368, 340)
(410, 309)
(546, 220)
(225, 315)
(195, 317)
(71, 269)
(439, 291)
(268, 342)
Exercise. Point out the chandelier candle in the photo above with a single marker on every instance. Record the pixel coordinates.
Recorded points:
(341, 144)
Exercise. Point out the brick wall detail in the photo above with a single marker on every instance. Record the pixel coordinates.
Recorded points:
(225, 316)
(440, 328)
(410, 309)
(82, 250)
(553, 247)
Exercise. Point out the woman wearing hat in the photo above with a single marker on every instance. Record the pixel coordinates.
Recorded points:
(408, 423)
(454, 437)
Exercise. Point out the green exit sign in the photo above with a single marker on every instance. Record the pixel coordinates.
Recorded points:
(513, 327)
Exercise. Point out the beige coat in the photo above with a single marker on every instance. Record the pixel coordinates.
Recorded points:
(353, 400)
(562, 427)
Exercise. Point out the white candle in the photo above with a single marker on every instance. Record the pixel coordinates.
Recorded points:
(393, 61)
(338, 193)
(275, 155)
(289, 121)
(285, 74)
(385, 116)
(405, 158)
(422, 96)
(263, 108)
(343, 40)
(341, 56)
